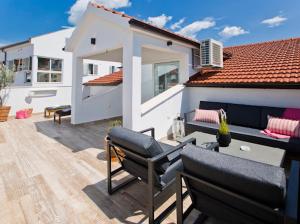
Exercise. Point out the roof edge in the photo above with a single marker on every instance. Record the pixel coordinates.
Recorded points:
(273, 85)
(15, 44)
(163, 32)
(264, 42)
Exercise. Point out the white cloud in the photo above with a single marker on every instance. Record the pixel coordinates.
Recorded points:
(194, 28)
(275, 21)
(232, 31)
(178, 24)
(79, 7)
(159, 21)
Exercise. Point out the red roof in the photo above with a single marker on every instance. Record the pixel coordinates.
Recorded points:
(112, 79)
(273, 63)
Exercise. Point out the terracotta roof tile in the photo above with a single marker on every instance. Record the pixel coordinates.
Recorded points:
(271, 63)
(107, 80)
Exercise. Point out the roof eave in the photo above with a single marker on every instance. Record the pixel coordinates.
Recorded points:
(15, 44)
(153, 29)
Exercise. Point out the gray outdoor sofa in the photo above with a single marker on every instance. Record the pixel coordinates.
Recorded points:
(237, 190)
(245, 123)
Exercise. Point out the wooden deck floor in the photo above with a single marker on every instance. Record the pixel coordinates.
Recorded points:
(52, 173)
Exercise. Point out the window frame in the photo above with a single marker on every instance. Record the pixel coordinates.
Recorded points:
(50, 71)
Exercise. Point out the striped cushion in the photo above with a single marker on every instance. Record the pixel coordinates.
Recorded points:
(284, 126)
(209, 116)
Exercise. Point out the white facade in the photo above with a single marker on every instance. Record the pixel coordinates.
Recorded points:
(139, 51)
(28, 91)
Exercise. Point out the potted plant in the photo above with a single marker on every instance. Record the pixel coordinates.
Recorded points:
(6, 77)
(112, 124)
(223, 134)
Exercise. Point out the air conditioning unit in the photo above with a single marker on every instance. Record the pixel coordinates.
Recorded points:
(211, 53)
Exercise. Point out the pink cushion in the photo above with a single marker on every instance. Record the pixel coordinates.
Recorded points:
(274, 135)
(292, 113)
(283, 126)
(22, 114)
(209, 116)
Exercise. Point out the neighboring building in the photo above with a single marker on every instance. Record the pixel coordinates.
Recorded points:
(160, 79)
(43, 71)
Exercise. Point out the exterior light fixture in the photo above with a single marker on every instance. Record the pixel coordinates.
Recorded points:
(93, 41)
(169, 43)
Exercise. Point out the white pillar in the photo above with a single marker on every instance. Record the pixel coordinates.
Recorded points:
(132, 72)
(34, 68)
(77, 89)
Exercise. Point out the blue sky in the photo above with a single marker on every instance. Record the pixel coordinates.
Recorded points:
(232, 21)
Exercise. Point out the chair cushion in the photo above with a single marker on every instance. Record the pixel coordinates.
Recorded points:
(244, 115)
(292, 113)
(136, 142)
(284, 127)
(209, 116)
(257, 181)
(270, 111)
(140, 144)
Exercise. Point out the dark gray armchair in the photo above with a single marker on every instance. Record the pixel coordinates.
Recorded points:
(237, 190)
(152, 162)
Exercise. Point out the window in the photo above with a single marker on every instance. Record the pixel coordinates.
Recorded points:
(166, 75)
(92, 69)
(26, 62)
(112, 69)
(49, 70)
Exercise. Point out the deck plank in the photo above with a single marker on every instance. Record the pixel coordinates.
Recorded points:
(51, 173)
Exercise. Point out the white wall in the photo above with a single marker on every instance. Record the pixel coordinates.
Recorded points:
(261, 97)
(21, 98)
(2, 56)
(51, 46)
(147, 82)
(160, 111)
(19, 52)
(104, 105)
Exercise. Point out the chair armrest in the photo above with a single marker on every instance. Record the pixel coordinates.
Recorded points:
(186, 115)
(292, 196)
(149, 129)
(166, 153)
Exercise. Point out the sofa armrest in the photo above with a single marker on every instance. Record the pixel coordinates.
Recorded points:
(149, 129)
(292, 197)
(186, 115)
(166, 153)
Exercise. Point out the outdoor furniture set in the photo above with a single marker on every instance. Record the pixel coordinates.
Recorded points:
(220, 184)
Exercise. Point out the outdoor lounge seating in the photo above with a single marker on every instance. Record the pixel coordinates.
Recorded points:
(62, 113)
(245, 123)
(237, 190)
(143, 157)
(49, 110)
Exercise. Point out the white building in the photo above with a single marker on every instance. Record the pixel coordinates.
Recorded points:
(43, 71)
(161, 77)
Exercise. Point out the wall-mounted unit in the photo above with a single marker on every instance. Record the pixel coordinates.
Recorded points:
(211, 53)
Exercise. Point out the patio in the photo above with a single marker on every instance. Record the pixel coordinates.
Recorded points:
(52, 173)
